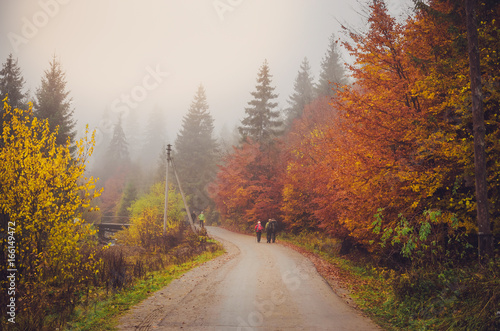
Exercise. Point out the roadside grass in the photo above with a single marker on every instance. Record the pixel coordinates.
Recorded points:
(103, 309)
(460, 297)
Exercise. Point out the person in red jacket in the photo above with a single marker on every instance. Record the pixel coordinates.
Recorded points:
(258, 230)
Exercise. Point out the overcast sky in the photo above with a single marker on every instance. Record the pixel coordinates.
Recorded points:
(129, 55)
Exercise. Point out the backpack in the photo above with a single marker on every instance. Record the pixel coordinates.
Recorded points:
(258, 227)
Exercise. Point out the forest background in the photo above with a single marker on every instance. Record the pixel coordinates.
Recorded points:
(376, 159)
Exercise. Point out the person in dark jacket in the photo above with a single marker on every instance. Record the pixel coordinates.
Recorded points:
(271, 229)
(268, 231)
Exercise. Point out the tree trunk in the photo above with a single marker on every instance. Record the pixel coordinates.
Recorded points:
(484, 231)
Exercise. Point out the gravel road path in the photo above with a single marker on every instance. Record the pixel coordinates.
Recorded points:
(255, 286)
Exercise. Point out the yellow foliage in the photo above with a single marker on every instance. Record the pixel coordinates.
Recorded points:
(146, 227)
(43, 192)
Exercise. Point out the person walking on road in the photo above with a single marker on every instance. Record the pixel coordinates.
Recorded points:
(193, 217)
(258, 231)
(268, 231)
(201, 218)
(271, 228)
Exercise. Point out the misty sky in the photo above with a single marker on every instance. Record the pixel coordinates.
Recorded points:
(127, 55)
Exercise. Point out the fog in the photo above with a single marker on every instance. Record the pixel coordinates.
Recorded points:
(130, 57)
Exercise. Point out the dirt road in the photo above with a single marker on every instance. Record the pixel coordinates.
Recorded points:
(255, 286)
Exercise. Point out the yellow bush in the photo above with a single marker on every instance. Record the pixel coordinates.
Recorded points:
(43, 194)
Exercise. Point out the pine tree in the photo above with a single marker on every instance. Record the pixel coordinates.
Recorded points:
(262, 122)
(332, 71)
(12, 83)
(196, 150)
(154, 137)
(132, 130)
(52, 103)
(118, 148)
(303, 93)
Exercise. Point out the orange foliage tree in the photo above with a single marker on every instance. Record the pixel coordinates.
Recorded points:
(388, 164)
(247, 188)
(310, 190)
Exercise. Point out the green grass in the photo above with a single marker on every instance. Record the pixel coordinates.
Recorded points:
(103, 313)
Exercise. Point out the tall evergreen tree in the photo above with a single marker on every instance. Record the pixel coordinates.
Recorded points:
(53, 103)
(155, 137)
(118, 148)
(132, 130)
(262, 122)
(332, 71)
(303, 93)
(196, 150)
(12, 83)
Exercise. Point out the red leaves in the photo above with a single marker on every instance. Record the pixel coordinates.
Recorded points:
(397, 139)
(247, 188)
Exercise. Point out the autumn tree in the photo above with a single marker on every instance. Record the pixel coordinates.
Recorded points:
(310, 196)
(54, 104)
(44, 193)
(146, 218)
(248, 186)
(196, 151)
(262, 122)
(389, 164)
(451, 100)
(303, 93)
(406, 121)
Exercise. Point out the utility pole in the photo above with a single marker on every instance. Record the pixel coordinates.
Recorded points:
(171, 161)
(169, 149)
(485, 240)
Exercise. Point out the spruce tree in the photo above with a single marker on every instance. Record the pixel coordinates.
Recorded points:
(262, 122)
(118, 148)
(12, 83)
(196, 150)
(332, 71)
(132, 130)
(303, 93)
(53, 103)
(155, 137)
